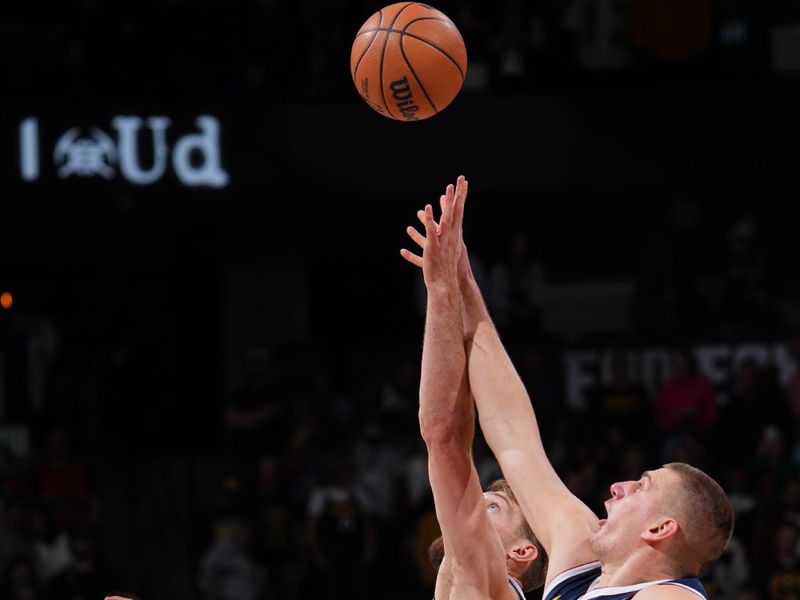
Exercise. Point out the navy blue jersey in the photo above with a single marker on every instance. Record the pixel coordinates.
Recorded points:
(576, 584)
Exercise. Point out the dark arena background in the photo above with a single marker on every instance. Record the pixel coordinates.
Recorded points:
(206, 323)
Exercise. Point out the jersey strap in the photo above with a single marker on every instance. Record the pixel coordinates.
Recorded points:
(517, 588)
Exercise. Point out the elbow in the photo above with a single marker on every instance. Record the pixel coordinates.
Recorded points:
(435, 430)
(438, 429)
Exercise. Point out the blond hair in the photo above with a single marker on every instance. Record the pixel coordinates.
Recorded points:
(533, 576)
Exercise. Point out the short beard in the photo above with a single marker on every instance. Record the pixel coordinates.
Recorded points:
(436, 553)
(597, 544)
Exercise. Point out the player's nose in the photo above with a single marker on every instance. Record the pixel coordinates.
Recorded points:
(619, 489)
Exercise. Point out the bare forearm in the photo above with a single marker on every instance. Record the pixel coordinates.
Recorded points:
(498, 390)
(443, 412)
(503, 404)
(473, 308)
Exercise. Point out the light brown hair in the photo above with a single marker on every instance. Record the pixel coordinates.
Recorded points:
(705, 512)
(533, 577)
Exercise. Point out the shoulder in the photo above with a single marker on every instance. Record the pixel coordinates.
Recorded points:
(673, 590)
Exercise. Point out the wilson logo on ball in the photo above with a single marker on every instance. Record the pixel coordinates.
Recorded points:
(405, 100)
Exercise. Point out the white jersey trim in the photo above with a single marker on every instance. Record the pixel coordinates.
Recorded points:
(562, 577)
(612, 591)
(517, 588)
(687, 587)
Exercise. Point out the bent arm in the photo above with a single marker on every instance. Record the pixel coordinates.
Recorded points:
(560, 520)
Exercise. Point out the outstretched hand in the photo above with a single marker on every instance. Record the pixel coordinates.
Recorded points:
(444, 256)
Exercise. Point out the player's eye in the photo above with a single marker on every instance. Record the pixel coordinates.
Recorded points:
(493, 507)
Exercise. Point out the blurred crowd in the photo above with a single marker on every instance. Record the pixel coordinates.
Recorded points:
(312, 478)
(317, 484)
(276, 50)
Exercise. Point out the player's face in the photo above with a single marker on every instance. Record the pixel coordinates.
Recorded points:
(634, 506)
(503, 513)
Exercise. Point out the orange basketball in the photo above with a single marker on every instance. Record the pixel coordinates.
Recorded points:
(408, 61)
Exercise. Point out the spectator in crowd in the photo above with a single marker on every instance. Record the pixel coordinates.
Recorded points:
(516, 289)
(20, 581)
(726, 577)
(277, 531)
(226, 570)
(340, 535)
(542, 379)
(51, 544)
(62, 481)
(743, 501)
(622, 404)
(670, 301)
(791, 501)
(81, 579)
(603, 33)
(257, 419)
(686, 403)
(748, 305)
(752, 402)
(770, 470)
(16, 540)
(399, 394)
(793, 389)
(781, 579)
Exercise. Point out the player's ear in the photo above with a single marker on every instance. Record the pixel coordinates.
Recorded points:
(523, 552)
(661, 530)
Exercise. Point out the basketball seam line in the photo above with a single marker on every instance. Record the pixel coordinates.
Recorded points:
(410, 23)
(363, 54)
(424, 41)
(445, 20)
(414, 73)
(383, 54)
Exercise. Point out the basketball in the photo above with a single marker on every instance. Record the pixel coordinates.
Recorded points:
(408, 61)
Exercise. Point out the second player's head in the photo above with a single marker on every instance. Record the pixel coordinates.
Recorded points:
(677, 510)
(525, 557)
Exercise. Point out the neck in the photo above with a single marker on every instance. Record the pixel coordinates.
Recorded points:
(642, 566)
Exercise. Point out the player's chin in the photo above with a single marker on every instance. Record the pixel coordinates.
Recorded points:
(597, 540)
(599, 531)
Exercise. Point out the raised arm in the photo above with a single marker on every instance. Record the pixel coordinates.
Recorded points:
(561, 521)
(475, 564)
